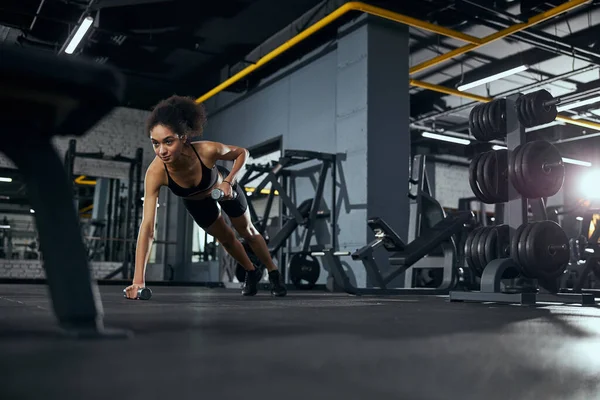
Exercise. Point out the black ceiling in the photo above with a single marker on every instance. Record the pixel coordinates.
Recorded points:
(182, 46)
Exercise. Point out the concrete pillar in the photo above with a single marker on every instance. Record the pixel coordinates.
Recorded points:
(372, 120)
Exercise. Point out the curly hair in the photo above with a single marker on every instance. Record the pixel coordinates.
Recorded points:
(180, 114)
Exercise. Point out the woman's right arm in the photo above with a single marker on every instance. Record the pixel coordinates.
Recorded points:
(146, 231)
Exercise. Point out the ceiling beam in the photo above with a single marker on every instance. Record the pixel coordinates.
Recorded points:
(532, 56)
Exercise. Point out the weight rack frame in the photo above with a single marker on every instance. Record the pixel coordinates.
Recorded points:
(135, 172)
(515, 214)
(280, 170)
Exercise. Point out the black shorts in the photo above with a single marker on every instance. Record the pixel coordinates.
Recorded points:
(206, 211)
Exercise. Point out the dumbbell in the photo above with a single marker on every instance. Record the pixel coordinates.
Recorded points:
(218, 194)
(142, 294)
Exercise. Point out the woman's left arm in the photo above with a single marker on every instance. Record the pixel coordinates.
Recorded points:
(220, 151)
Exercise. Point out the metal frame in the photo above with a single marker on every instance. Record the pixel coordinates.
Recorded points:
(135, 177)
(515, 215)
(405, 258)
(282, 179)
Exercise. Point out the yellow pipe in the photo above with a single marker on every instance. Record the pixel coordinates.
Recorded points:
(322, 23)
(80, 180)
(536, 19)
(449, 91)
(482, 99)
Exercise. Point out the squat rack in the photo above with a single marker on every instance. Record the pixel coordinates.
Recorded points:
(135, 178)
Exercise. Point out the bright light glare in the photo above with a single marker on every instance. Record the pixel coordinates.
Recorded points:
(589, 186)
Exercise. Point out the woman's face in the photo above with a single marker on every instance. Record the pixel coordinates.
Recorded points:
(167, 145)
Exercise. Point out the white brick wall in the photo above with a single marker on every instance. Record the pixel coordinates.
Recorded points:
(120, 132)
(33, 269)
(451, 183)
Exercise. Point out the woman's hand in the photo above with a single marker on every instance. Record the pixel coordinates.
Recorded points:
(227, 190)
(131, 292)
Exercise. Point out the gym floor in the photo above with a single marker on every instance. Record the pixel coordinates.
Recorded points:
(198, 343)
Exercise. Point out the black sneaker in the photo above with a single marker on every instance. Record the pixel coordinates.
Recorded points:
(277, 287)
(251, 282)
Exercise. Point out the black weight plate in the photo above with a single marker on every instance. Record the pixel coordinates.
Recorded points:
(523, 109)
(473, 177)
(550, 263)
(524, 188)
(543, 114)
(490, 183)
(492, 119)
(500, 118)
(481, 249)
(304, 271)
(528, 270)
(529, 108)
(487, 123)
(514, 246)
(491, 245)
(542, 182)
(478, 267)
(521, 113)
(481, 122)
(474, 123)
(481, 179)
(467, 251)
(515, 169)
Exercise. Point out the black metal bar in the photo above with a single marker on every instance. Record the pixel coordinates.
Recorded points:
(333, 220)
(316, 205)
(127, 231)
(74, 295)
(109, 212)
(533, 85)
(117, 218)
(536, 37)
(139, 156)
(70, 160)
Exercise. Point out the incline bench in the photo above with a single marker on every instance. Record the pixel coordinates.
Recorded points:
(43, 95)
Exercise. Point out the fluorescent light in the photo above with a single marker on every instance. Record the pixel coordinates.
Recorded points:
(491, 78)
(578, 104)
(2, 179)
(4, 226)
(579, 218)
(445, 138)
(576, 162)
(498, 147)
(81, 31)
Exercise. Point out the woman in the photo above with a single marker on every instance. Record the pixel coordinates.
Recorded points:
(188, 169)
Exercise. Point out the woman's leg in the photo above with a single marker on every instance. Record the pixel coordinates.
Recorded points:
(207, 215)
(257, 242)
(225, 235)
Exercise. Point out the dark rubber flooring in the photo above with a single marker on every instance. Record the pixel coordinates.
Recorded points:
(198, 343)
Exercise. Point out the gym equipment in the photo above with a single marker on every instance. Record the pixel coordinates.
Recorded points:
(44, 95)
(487, 243)
(403, 256)
(488, 176)
(304, 270)
(142, 294)
(488, 121)
(135, 182)
(282, 177)
(537, 251)
(430, 230)
(218, 194)
(536, 169)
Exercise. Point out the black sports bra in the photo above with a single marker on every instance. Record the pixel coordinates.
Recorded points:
(209, 178)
